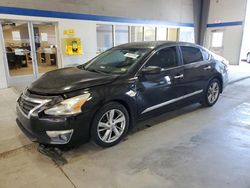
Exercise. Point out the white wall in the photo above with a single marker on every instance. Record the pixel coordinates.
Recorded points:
(171, 10)
(86, 31)
(222, 11)
(226, 10)
(178, 11)
(246, 35)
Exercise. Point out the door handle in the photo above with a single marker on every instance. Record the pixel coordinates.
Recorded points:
(179, 76)
(207, 67)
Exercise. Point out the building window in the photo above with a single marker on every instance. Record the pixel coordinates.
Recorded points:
(121, 34)
(149, 33)
(186, 35)
(217, 39)
(136, 33)
(104, 37)
(161, 33)
(173, 34)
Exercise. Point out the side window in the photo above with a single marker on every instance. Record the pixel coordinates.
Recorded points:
(191, 54)
(165, 58)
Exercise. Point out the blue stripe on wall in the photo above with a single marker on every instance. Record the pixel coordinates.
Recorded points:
(225, 24)
(78, 16)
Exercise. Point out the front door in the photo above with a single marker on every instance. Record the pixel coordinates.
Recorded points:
(158, 90)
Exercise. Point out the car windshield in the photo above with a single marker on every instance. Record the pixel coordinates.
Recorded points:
(115, 61)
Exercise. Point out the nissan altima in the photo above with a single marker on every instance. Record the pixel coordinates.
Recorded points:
(103, 99)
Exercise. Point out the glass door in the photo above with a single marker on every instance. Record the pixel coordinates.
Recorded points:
(45, 46)
(30, 49)
(17, 48)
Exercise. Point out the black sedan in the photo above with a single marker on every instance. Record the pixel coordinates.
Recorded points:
(105, 97)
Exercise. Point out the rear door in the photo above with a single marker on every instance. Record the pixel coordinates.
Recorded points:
(197, 69)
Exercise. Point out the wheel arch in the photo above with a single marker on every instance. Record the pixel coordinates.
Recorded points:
(129, 109)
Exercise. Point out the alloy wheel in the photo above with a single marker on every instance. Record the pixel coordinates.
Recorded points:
(213, 92)
(111, 125)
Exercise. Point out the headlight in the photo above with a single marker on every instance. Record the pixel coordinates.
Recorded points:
(68, 106)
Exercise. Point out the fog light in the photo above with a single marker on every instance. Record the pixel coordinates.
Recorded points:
(64, 136)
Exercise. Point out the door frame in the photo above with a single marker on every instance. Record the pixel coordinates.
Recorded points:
(58, 44)
(24, 79)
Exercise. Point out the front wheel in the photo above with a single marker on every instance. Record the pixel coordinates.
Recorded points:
(110, 125)
(212, 93)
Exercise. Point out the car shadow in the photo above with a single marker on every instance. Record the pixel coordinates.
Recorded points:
(92, 148)
(165, 116)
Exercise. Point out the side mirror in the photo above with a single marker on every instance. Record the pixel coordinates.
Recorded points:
(151, 70)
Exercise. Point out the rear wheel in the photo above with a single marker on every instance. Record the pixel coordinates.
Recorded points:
(110, 125)
(212, 93)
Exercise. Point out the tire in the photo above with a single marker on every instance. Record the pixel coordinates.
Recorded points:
(212, 93)
(105, 132)
(248, 57)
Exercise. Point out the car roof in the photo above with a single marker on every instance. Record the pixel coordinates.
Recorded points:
(154, 44)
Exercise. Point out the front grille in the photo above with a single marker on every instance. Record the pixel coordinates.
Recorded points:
(26, 105)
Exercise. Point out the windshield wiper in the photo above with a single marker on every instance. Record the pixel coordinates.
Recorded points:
(94, 70)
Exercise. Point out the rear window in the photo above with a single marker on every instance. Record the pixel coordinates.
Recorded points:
(191, 54)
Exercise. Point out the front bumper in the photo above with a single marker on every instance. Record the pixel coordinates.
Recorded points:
(225, 79)
(75, 128)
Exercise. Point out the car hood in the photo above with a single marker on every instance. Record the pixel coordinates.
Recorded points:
(68, 79)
